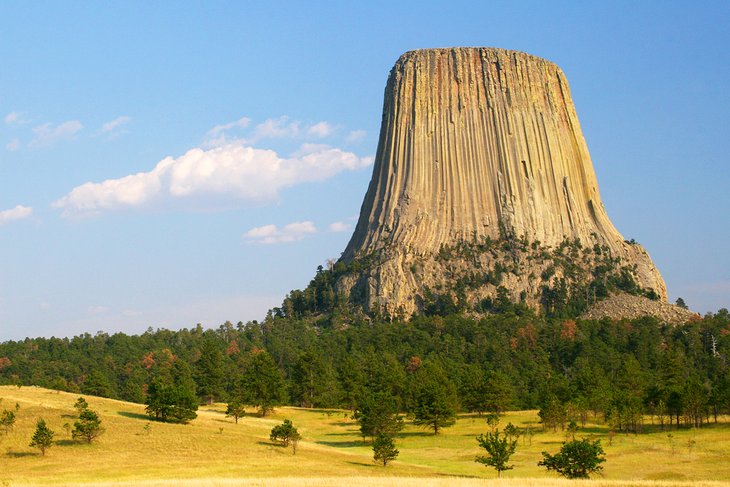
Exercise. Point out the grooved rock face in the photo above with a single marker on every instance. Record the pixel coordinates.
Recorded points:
(475, 144)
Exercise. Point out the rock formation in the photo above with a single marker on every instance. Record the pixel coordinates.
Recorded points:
(482, 180)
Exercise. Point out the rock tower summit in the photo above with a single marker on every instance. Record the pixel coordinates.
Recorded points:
(480, 147)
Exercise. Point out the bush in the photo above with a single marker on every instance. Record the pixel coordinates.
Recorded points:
(285, 434)
(576, 459)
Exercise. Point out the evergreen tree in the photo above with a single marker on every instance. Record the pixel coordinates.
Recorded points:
(43, 437)
(553, 413)
(209, 372)
(498, 393)
(97, 384)
(173, 399)
(262, 382)
(7, 420)
(577, 459)
(384, 450)
(88, 427)
(235, 410)
(81, 405)
(499, 450)
(377, 414)
(312, 381)
(472, 389)
(285, 433)
(433, 400)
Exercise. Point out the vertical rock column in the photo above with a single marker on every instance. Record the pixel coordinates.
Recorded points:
(476, 142)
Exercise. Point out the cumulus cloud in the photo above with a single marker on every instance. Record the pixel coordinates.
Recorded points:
(321, 130)
(355, 136)
(13, 145)
(115, 124)
(235, 170)
(48, 134)
(339, 227)
(18, 213)
(271, 234)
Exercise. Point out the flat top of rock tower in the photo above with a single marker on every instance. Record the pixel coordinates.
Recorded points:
(450, 50)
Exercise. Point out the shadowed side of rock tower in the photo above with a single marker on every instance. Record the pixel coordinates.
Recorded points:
(483, 189)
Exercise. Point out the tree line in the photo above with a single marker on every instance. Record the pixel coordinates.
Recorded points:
(616, 370)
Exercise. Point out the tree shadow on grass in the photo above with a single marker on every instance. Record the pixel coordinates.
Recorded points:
(135, 415)
(227, 421)
(363, 464)
(409, 434)
(21, 454)
(342, 444)
(451, 475)
(67, 442)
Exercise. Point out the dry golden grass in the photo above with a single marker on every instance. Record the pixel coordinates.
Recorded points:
(402, 482)
(213, 451)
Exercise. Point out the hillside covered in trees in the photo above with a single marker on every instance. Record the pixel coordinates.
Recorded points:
(513, 359)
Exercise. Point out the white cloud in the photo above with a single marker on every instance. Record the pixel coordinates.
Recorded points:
(321, 130)
(271, 234)
(240, 123)
(275, 128)
(18, 213)
(114, 124)
(13, 145)
(355, 136)
(14, 118)
(48, 134)
(339, 227)
(217, 136)
(234, 170)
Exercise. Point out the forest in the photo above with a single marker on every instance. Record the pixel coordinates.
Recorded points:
(614, 370)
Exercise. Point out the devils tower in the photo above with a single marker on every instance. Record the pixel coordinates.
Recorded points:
(483, 189)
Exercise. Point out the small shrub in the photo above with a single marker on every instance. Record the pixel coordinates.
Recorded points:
(285, 434)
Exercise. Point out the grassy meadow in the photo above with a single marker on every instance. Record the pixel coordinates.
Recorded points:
(214, 451)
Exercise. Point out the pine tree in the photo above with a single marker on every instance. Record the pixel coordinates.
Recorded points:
(576, 459)
(285, 433)
(235, 410)
(88, 427)
(377, 413)
(7, 420)
(80, 405)
(172, 398)
(209, 372)
(262, 382)
(499, 450)
(43, 437)
(433, 401)
(384, 450)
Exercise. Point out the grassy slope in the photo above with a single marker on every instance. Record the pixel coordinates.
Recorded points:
(213, 447)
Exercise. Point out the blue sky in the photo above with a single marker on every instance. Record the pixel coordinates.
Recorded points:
(171, 163)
